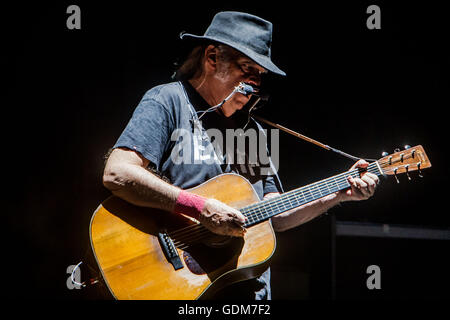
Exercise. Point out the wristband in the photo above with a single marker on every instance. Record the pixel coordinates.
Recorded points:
(189, 204)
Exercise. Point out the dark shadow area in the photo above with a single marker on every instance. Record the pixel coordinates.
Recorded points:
(359, 90)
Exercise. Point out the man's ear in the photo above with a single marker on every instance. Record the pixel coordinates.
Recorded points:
(211, 57)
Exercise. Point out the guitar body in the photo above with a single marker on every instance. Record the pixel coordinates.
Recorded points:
(124, 239)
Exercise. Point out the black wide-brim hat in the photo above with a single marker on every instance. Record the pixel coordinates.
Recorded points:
(244, 32)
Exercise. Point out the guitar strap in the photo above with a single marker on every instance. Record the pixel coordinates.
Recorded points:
(301, 136)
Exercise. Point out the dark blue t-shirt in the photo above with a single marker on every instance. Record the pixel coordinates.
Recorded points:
(164, 129)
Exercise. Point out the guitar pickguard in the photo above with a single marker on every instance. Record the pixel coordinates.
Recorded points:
(203, 259)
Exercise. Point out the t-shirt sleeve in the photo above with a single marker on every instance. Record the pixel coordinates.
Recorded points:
(148, 131)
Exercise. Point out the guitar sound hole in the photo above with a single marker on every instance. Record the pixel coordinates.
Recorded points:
(201, 259)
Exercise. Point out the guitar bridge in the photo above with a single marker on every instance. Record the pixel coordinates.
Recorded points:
(170, 251)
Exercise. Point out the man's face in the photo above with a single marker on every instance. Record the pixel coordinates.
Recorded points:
(228, 76)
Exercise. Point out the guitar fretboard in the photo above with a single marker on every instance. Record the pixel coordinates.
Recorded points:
(263, 210)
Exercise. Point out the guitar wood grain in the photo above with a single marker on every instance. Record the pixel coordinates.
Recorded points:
(125, 245)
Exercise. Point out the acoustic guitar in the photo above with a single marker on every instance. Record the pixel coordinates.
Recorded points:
(144, 253)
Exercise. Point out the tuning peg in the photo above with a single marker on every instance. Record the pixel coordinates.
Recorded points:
(420, 171)
(384, 154)
(397, 150)
(407, 172)
(407, 147)
(395, 175)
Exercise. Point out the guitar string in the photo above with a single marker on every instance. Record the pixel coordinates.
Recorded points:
(370, 169)
(258, 215)
(202, 233)
(250, 211)
(248, 208)
(252, 214)
(319, 186)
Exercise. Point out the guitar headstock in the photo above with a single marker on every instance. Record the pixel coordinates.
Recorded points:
(405, 161)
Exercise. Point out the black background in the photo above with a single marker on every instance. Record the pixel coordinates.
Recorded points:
(362, 91)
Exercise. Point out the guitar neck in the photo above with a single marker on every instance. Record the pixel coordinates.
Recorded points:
(266, 209)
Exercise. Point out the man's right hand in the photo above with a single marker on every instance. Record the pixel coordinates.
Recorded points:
(222, 219)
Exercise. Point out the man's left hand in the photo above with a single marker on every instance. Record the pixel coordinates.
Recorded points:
(361, 188)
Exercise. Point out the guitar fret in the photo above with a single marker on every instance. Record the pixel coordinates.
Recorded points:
(261, 211)
(322, 186)
(328, 188)
(320, 189)
(343, 183)
(315, 193)
(310, 195)
(289, 202)
(294, 202)
(304, 196)
(278, 204)
(335, 183)
(297, 197)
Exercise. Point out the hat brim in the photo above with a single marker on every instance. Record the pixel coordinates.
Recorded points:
(261, 60)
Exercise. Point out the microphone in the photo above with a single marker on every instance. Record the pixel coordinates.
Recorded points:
(242, 88)
(245, 88)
